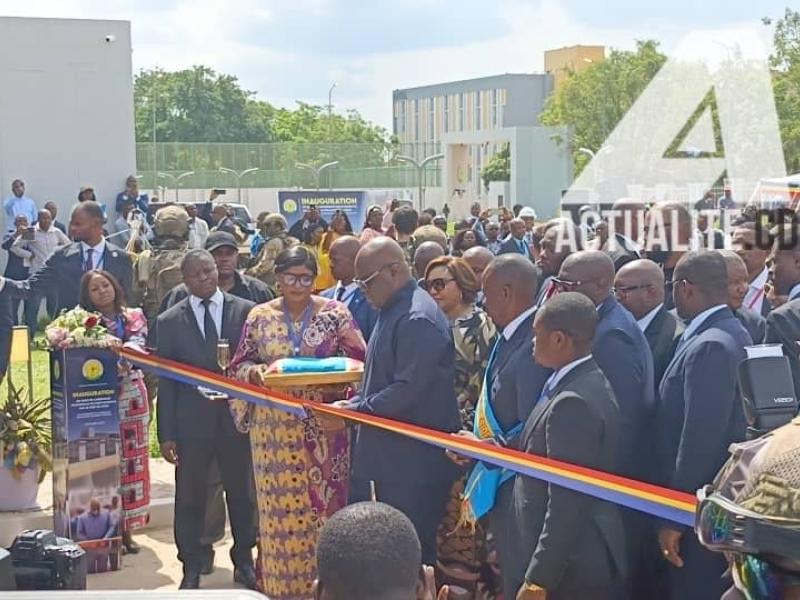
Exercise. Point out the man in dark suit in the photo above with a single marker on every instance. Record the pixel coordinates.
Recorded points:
(65, 267)
(408, 376)
(783, 323)
(568, 545)
(753, 247)
(755, 324)
(699, 413)
(639, 287)
(343, 264)
(668, 236)
(516, 244)
(194, 430)
(622, 249)
(560, 238)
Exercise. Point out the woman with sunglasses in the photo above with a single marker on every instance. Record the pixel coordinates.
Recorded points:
(300, 465)
(454, 286)
(374, 225)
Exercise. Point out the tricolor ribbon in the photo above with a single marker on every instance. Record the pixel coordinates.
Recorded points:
(672, 505)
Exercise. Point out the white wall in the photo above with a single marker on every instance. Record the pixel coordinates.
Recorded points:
(66, 108)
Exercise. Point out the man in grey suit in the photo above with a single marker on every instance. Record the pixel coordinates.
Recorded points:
(568, 545)
(194, 430)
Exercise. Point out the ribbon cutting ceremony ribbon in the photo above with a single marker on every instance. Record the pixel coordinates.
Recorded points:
(678, 507)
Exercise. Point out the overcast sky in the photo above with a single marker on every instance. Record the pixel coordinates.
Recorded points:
(294, 49)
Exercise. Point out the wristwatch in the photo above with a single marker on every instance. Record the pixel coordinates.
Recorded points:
(532, 587)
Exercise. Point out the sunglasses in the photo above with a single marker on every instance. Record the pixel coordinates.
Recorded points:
(363, 284)
(624, 291)
(437, 285)
(303, 281)
(563, 285)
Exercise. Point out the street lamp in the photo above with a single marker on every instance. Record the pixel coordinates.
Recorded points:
(420, 170)
(176, 180)
(238, 175)
(317, 171)
(330, 113)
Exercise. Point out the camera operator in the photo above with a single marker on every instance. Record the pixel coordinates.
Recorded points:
(752, 513)
(130, 218)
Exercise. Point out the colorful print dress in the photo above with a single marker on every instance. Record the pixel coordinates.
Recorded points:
(474, 336)
(134, 423)
(301, 466)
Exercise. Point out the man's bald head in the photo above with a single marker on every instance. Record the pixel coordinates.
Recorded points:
(639, 285)
(343, 257)
(424, 254)
(700, 282)
(589, 272)
(381, 267)
(478, 258)
(510, 284)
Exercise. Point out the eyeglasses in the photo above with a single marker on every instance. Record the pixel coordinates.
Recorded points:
(437, 285)
(624, 291)
(563, 285)
(305, 281)
(363, 284)
(671, 283)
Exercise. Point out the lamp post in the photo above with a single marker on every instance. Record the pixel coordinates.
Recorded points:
(420, 170)
(176, 180)
(238, 175)
(330, 113)
(317, 171)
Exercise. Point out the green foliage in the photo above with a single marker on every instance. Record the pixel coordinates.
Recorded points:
(25, 432)
(498, 168)
(785, 62)
(594, 100)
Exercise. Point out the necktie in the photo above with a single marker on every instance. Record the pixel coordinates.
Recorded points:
(209, 328)
(340, 293)
(88, 265)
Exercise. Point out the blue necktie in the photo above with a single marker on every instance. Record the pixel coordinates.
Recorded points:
(89, 264)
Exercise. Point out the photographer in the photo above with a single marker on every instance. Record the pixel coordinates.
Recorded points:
(128, 220)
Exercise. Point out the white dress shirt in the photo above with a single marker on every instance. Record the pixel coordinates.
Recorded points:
(347, 294)
(198, 233)
(557, 376)
(645, 321)
(695, 323)
(215, 306)
(44, 244)
(754, 299)
(512, 327)
(98, 253)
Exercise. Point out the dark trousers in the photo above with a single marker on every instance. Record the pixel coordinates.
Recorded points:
(701, 577)
(232, 454)
(423, 503)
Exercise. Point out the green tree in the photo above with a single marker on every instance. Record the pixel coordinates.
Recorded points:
(499, 167)
(198, 105)
(594, 100)
(785, 63)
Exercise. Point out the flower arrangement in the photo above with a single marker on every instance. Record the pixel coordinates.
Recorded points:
(78, 328)
(25, 436)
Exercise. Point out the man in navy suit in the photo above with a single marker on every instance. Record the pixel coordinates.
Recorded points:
(623, 355)
(516, 244)
(343, 259)
(560, 238)
(699, 413)
(65, 267)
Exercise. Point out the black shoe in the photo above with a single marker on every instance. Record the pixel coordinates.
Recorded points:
(246, 576)
(190, 581)
(208, 564)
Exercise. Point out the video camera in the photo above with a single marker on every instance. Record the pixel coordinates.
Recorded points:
(765, 380)
(42, 561)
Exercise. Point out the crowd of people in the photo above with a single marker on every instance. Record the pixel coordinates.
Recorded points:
(601, 350)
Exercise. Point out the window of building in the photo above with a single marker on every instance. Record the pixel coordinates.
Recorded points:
(478, 111)
(432, 119)
(401, 117)
(416, 120)
(446, 117)
(495, 109)
(461, 111)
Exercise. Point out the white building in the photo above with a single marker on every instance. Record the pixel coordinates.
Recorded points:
(66, 108)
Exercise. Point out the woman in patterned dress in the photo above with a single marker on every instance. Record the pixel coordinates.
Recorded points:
(301, 465)
(453, 285)
(100, 292)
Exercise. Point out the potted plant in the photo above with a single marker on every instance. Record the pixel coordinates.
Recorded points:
(25, 440)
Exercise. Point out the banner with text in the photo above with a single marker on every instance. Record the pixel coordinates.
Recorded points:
(294, 204)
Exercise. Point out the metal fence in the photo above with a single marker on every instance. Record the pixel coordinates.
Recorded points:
(361, 165)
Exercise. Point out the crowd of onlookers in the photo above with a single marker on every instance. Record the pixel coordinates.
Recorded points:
(608, 341)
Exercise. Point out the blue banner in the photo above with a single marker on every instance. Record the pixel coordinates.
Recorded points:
(293, 205)
(87, 453)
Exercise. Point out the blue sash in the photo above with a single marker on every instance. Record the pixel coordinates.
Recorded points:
(480, 492)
